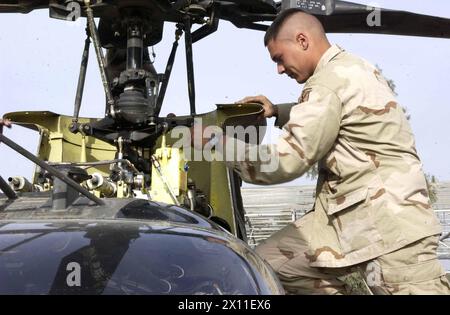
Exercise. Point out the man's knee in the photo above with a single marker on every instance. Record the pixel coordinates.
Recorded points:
(293, 270)
(284, 245)
(285, 252)
(270, 251)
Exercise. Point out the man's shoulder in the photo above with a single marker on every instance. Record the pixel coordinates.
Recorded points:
(343, 66)
(343, 71)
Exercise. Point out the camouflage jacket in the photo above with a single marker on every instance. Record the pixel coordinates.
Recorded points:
(371, 195)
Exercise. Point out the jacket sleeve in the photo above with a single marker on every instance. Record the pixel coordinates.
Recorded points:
(283, 114)
(308, 135)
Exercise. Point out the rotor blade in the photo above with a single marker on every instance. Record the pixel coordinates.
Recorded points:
(249, 6)
(242, 16)
(390, 22)
(22, 6)
(249, 25)
(344, 17)
(26, 6)
(348, 17)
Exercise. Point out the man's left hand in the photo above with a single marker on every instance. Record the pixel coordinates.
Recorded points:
(4, 122)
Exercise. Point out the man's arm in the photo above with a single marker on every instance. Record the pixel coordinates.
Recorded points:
(309, 134)
(282, 112)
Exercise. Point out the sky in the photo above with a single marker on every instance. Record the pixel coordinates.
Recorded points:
(40, 59)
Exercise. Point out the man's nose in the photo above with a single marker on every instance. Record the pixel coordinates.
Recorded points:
(280, 69)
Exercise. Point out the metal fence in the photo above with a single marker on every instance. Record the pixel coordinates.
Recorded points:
(269, 209)
(444, 244)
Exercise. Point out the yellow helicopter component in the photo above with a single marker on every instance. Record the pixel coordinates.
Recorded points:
(169, 174)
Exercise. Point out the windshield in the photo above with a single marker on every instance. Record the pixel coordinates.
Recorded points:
(121, 258)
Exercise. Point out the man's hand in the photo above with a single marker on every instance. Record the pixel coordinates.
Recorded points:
(4, 122)
(269, 109)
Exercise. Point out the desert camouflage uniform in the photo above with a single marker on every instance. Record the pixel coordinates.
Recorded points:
(372, 210)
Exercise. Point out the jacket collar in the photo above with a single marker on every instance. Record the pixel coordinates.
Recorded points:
(332, 52)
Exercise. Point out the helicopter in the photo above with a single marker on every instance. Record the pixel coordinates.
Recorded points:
(119, 180)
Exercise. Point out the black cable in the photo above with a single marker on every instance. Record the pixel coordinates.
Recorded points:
(54, 172)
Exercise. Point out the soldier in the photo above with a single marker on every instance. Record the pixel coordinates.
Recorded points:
(372, 212)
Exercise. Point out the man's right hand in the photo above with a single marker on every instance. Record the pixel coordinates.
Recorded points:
(269, 109)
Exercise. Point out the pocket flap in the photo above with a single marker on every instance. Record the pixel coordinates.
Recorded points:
(343, 201)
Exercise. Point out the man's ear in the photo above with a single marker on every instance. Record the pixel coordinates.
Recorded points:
(302, 40)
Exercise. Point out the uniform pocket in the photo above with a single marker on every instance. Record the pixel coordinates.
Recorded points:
(352, 216)
(344, 201)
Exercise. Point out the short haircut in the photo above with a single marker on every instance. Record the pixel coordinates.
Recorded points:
(275, 27)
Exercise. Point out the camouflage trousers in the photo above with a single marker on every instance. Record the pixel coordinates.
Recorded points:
(413, 269)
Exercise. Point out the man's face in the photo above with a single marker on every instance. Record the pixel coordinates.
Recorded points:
(290, 59)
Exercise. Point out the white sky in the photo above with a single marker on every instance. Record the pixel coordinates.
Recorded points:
(40, 58)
